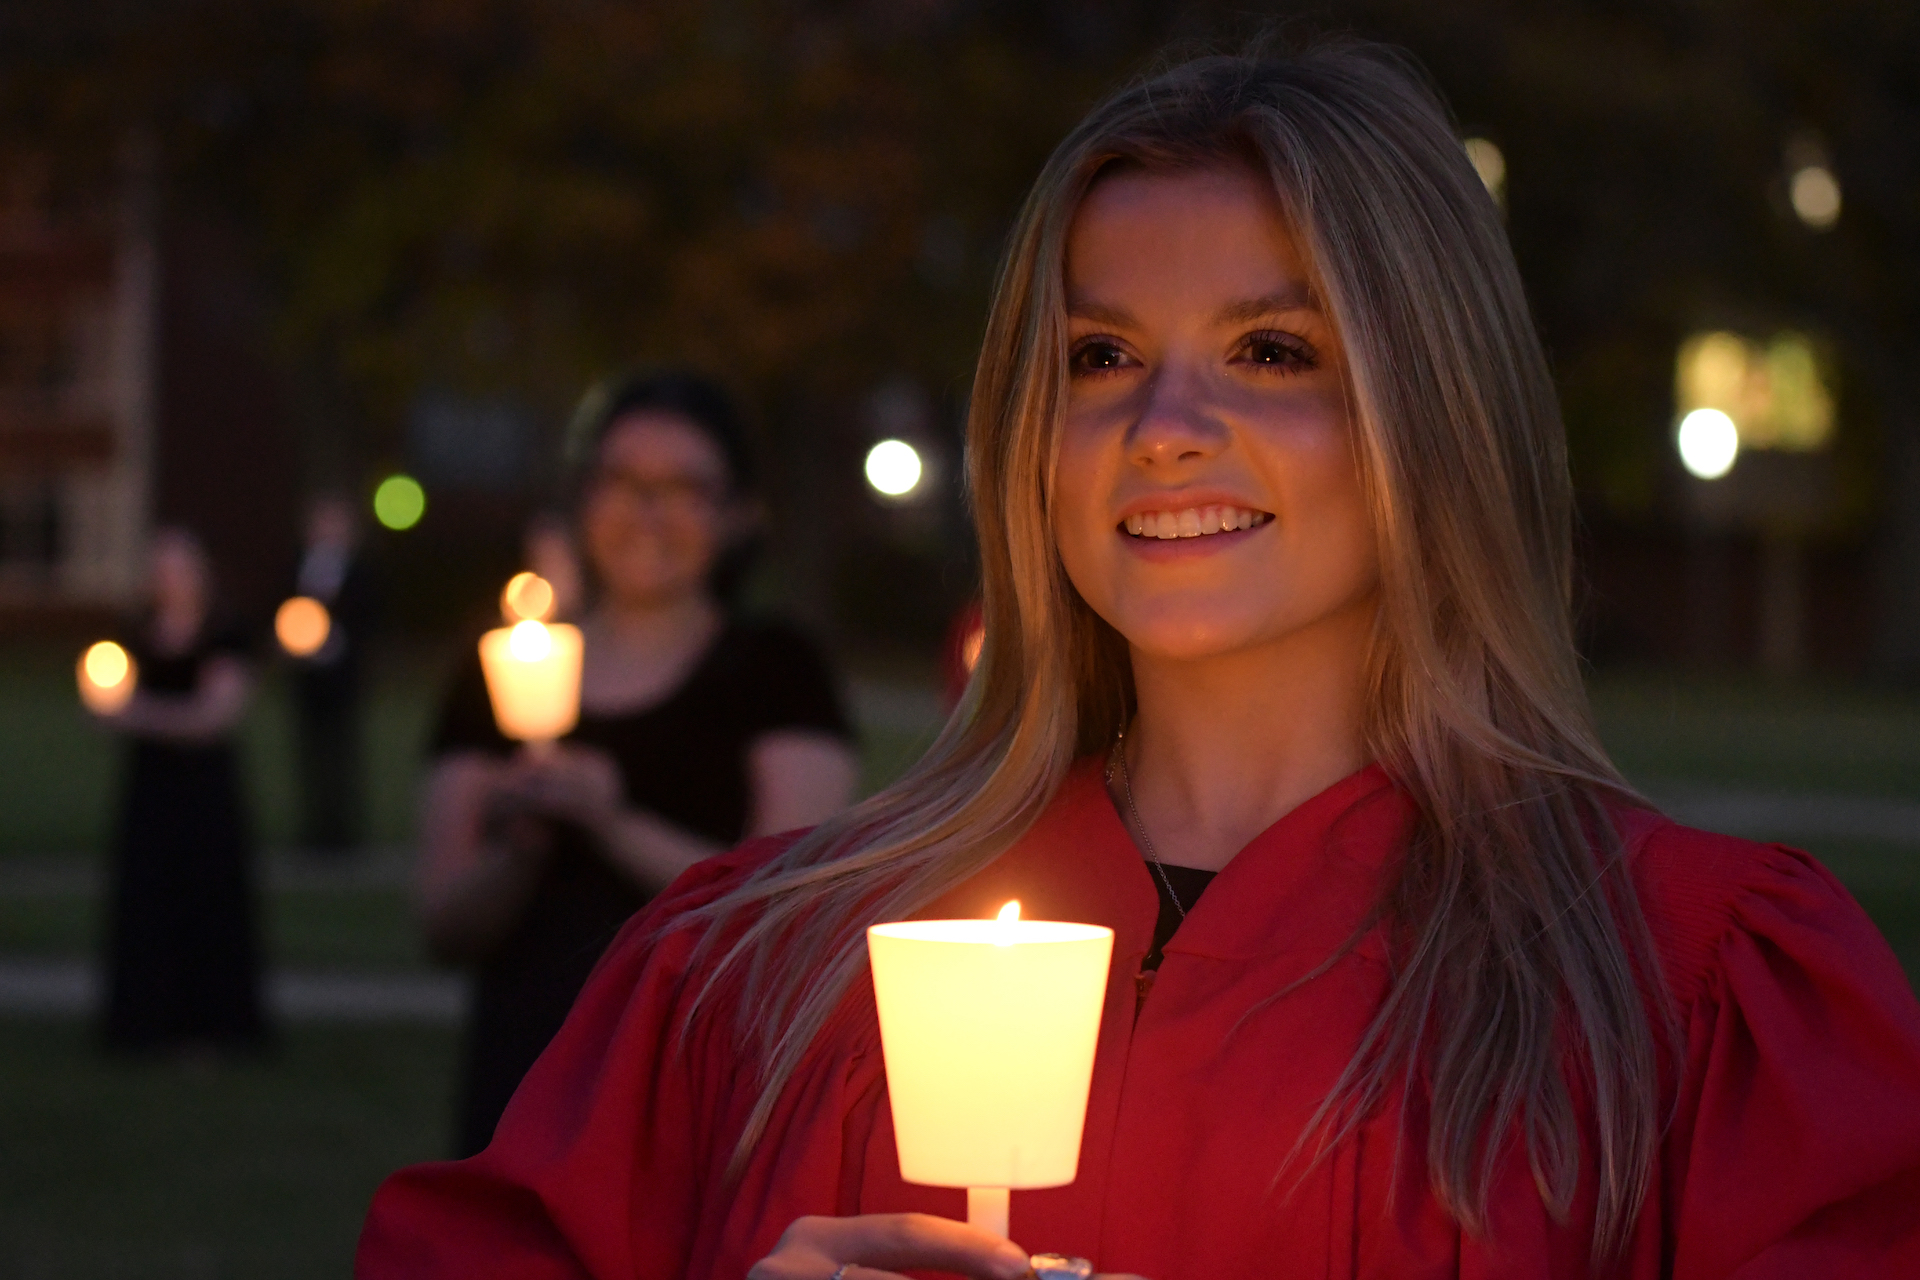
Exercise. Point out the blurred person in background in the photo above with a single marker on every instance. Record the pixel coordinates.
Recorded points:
(183, 958)
(327, 683)
(697, 729)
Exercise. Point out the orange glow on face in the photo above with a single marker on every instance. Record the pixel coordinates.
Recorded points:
(528, 597)
(302, 626)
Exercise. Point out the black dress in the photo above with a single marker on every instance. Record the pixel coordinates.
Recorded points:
(183, 956)
(683, 759)
(327, 689)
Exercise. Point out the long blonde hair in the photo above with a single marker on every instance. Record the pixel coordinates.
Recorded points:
(1518, 941)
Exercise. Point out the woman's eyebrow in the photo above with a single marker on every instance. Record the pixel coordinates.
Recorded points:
(1101, 313)
(1271, 304)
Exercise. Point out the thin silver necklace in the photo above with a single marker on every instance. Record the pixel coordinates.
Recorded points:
(1118, 758)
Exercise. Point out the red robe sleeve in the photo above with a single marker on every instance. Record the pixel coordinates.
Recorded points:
(1795, 1146)
(601, 1162)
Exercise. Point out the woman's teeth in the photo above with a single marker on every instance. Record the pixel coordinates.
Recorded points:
(1194, 522)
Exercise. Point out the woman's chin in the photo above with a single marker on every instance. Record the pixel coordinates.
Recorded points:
(1197, 641)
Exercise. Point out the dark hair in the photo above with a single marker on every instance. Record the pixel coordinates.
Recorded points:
(697, 400)
(685, 395)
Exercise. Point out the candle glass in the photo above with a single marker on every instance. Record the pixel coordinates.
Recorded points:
(107, 676)
(533, 679)
(988, 1029)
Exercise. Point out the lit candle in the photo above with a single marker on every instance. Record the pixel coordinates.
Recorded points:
(988, 1029)
(302, 625)
(107, 677)
(532, 667)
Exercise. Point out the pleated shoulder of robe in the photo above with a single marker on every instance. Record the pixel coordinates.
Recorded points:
(1793, 1148)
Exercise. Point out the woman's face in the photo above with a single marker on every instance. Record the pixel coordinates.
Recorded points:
(178, 574)
(657, 512)
(1207, 494)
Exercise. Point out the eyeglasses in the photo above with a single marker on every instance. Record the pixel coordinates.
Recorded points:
(674, 494)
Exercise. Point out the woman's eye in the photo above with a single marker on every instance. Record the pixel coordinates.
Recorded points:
(1279, 351)
(1095, 356)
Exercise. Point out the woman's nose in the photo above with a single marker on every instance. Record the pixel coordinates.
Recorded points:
(1177, 424)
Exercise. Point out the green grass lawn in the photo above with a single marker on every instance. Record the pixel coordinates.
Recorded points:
(1758, 735)
(257, 1169)
(57, 768)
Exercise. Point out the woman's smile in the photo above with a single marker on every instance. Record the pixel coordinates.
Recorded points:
(1173, 531)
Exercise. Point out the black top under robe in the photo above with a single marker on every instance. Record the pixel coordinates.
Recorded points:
(1188, 884)
(683, 759)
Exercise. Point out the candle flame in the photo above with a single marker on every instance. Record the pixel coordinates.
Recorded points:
(529, 641)
(528, 597)
(1004, 924)
(106, 664)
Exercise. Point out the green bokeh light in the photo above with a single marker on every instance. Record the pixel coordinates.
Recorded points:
(399, 502)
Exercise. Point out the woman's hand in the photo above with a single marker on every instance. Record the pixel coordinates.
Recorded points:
(877, 1246)
(575, 784)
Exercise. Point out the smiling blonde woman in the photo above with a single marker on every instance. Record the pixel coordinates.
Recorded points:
(1278, 683)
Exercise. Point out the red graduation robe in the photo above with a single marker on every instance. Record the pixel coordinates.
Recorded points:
(1794, 1149)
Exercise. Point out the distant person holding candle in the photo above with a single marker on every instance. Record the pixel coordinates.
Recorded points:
(183, 957)
(328, 682)
(1279, 684)
(697, 728)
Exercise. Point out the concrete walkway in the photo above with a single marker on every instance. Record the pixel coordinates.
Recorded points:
(72, 989)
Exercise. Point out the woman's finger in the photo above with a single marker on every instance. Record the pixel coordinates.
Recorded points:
(919, 1241)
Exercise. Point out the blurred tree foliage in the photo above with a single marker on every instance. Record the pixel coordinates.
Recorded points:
(514, 195)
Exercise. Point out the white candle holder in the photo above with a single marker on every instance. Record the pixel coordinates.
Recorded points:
(107, 677)
(533, 679)
(988, 1029)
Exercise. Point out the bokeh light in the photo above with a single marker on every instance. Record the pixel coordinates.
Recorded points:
(302, 625)
(971, 647)
(1815, 194)
(529, 641)
(1709, 442)
(107, 677)
(106, 664)
(1491, 164)
(893, 468)
(399, 502)
(527, 596)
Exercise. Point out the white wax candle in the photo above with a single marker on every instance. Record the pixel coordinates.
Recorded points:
(533, 678)
(988, 1028)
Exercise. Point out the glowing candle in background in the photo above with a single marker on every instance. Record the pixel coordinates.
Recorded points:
(107, 677)
(988, 1029)
(532, 667)
(302, 625)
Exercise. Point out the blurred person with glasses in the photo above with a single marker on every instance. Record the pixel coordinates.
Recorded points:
(698, 728)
